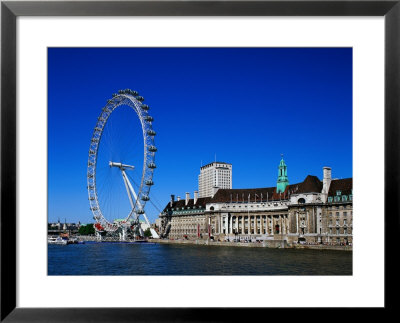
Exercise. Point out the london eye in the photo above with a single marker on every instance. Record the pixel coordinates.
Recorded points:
(120, 166)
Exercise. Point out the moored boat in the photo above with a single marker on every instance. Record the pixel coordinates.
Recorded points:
(56, 240)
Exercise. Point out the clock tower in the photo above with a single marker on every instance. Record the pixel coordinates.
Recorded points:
(283, 180)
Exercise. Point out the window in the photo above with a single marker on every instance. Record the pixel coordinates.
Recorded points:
(330, 199)
(338, 193)
(344, 198)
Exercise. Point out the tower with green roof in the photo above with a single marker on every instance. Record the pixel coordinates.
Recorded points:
(283, 180)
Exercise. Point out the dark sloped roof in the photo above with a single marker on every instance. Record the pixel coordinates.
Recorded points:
(202, 201)
(240, 195)
(344, 185)
(311, 184)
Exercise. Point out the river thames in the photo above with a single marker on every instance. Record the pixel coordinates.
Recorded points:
(165, 259)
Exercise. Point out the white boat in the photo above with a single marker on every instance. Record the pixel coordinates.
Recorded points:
(56, 240)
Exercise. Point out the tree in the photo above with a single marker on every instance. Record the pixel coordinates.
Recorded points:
(86, 229)
(147, 233)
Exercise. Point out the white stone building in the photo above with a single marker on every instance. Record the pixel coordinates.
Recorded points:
(312, 211)
(214, 175)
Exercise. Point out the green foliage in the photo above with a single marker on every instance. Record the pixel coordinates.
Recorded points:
(86, 230)
(147, 233)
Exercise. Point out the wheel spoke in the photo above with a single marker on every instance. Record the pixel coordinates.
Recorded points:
(99, 180)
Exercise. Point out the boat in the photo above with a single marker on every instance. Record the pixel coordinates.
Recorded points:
(75, 241)
(56, 240)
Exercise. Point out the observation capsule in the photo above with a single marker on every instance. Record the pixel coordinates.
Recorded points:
(145, 107)
(151, 165)
(149, 118)
(145, 198)
(140, 211)
(149, 182)
(140, 98)
(152, 148)
(151, 132)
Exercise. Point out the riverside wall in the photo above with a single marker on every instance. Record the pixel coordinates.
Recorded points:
(265, 244)
(276, 244)
(205, 242)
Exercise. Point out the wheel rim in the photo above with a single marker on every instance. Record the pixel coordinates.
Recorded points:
(131, 99)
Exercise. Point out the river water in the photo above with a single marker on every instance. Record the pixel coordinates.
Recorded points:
(165, 259)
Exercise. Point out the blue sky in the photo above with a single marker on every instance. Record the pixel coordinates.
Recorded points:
(246, 105)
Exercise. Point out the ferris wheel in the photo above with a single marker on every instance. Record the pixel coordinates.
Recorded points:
(118, 142)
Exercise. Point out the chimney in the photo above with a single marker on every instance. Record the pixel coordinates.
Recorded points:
(327, 179)
(178, 198)
(172, 200)
(196, 196)
(187, 198)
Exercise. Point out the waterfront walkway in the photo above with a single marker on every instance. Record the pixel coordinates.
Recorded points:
(264, 244)
(276, 244)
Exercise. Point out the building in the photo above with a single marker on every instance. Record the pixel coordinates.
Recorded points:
(312, 211)
(214, 175)
(59, 227)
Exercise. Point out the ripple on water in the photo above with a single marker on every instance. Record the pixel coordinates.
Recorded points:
(163, 259)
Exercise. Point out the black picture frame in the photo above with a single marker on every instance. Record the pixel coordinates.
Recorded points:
(10, 10)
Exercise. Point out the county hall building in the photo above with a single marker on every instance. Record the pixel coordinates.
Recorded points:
(312, 211)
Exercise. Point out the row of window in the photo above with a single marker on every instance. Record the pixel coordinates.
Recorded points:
(340, 198)
(338, 222)
(338, 214)
(337, 231)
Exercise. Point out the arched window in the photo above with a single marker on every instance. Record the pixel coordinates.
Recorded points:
(301, 201)
(212, 208)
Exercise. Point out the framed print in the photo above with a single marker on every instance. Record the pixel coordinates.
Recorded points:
(184, 92)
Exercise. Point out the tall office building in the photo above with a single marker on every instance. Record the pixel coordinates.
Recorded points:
(214, 175)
